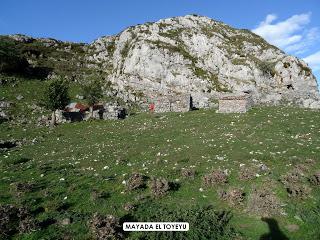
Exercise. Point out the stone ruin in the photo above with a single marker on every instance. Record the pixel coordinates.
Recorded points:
(172, 103)
(107, 111)
(3, 107)
(235, 104)
(81, 112)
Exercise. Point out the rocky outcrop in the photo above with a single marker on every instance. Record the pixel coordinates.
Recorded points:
(190, 55)
(202, 57)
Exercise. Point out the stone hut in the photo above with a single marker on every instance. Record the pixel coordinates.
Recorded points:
(235, 104)
(172, 103)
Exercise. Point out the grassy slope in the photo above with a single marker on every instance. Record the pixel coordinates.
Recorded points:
(158, 145)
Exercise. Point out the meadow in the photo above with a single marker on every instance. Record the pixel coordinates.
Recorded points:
(64, 175)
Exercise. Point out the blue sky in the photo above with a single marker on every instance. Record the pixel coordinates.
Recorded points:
(292, 25)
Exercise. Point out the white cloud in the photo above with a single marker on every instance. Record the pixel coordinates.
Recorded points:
(313, 61)
(291, 35)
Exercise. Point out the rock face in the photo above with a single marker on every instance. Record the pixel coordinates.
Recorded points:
(202, 57)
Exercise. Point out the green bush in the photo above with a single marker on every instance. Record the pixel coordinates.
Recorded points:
(11, 59)
(267, 68)
(204, 222)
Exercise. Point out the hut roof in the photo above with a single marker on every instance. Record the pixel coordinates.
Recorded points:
(239, 97)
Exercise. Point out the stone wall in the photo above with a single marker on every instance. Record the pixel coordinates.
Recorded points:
(235, 104)
(172, 103)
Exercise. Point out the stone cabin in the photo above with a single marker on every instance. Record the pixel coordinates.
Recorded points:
(75, 112)
(172, 103)
(235, 104)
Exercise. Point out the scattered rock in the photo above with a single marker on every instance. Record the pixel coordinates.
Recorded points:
(19, 97)
(79, 97)
(5, 104)
(3, 116)
(263, 167)
(66, 221)
(43, 120)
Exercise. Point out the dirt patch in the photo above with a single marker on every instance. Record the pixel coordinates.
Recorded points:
(106, 227)
(315, 179)
(294, 180)
(233, 196)
(292, 227)
(15, 220)
(262, 201)
(215, 177)
(246, 174)
(136, 181)
(159, 187)
(23, 187)
(97, 194)
(292, 177)
(129, 206)
(298, 191)
(188, 173)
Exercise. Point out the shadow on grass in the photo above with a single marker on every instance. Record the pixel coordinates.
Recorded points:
(274, 231)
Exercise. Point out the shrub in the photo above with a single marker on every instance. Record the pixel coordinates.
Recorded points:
(56, 96)
(92, 92)
(267, 68)
(204, 222)
(11, 59)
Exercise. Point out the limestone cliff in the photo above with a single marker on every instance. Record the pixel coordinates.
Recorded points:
(181, 55)
(197, 55)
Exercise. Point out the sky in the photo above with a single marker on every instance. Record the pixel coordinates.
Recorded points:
(292, 25)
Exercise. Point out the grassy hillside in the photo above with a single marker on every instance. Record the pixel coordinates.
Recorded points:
(268, 159)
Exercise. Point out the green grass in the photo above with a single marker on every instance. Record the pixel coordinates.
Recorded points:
(100, 155)
(159, 145)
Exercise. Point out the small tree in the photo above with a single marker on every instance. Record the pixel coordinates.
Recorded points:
(56, 96)
(92, 92)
